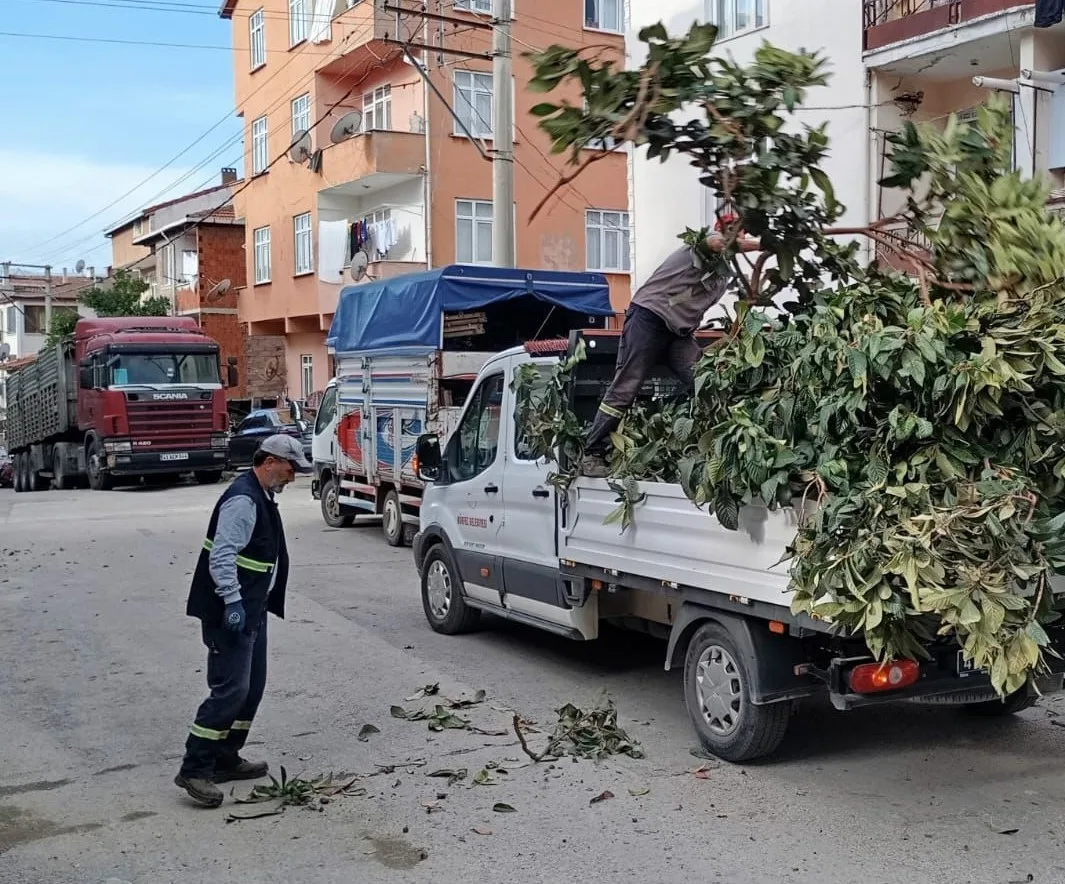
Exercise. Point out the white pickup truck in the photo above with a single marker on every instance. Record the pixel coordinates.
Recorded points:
(494, 537)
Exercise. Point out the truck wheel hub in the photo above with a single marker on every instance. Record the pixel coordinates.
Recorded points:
(438, 584)
(717, 685)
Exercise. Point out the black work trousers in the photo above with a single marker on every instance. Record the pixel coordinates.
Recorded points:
(646, 341)
(236, 677)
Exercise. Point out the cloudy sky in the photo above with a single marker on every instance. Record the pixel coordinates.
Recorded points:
(101, 124)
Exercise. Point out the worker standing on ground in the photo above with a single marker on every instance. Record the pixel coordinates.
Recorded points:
(241, 575)
(659, 328)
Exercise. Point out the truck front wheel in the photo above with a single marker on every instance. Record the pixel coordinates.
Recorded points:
(717, 688)
(445, 608)
(99, 478)
(207, 477)
(333, 514)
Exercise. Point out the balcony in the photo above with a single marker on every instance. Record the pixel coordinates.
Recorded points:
(891, 22)
(372, 161)
(359, 32)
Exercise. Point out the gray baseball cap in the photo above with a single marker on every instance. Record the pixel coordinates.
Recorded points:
(288, 448)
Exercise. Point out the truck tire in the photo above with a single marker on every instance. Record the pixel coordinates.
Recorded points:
(207, 477)
(59, 478)
(393, 519)
(33, 480)
(442, 599)
(1016, 702)
(99, 478)
(717, 694)
(333, 513)
(20, 473)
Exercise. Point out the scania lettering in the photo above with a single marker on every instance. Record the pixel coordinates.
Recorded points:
(123, 398)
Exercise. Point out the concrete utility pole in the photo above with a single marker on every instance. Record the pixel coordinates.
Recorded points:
(48, 298)
(503, 249)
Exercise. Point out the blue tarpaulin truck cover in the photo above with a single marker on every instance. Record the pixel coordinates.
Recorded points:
(406, 313)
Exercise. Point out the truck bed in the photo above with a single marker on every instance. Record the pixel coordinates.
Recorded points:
(671, 541)
(40, 399)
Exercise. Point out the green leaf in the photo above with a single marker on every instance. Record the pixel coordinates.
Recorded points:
(500, 807)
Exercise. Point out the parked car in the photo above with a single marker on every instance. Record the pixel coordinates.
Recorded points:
(250, 432)
(7, 470)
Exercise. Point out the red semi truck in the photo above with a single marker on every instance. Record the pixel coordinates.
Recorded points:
(123, 398)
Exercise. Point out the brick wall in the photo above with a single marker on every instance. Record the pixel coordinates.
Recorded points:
(265, 361)
(229, 333)
(221, 257)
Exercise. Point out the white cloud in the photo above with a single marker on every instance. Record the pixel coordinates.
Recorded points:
(42, 195)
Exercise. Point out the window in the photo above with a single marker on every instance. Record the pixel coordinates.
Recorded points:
(169, 265)
(257, 41)
(484, 6)
(162, 368)
(733, 17)
(326, 411)
(297, 21)
(260, 155)
(306, 375)
(12, 320)
(33, 319)
(301, 114)
(262, 254)
(477, 437)
(301, 234)
(605, 15)
(473, 103)
(377, 109)
(523, 449)
(607, 235)
(190, 267)
(473, 232)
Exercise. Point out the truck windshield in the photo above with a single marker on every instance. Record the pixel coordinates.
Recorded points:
(163, 368)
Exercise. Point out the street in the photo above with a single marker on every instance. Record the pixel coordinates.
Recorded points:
(103, 672)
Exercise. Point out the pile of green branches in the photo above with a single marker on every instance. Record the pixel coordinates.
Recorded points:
(922, 414)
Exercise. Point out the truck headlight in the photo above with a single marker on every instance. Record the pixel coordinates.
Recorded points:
(219, 440)
(119, 447)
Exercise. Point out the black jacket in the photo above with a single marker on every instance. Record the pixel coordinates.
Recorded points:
(254, 567)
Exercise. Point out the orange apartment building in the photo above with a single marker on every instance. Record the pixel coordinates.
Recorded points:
(303, 65)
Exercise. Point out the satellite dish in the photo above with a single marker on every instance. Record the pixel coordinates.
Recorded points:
(358, 265)
(79, 267)
(346, 126)
(5, 351)
(219, 289)
(301, 148)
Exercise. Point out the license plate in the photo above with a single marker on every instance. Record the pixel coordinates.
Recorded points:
(180, 455)
(965, 667)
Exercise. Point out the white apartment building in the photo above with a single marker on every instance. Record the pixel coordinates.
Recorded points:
(891, 60)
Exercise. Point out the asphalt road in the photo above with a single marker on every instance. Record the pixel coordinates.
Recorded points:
(101, 673)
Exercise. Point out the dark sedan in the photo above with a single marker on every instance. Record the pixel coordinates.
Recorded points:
(251, 431)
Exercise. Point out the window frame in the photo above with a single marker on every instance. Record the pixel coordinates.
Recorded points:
(306, 372)
(260, 145)
(301, 269)
(374, 104)
(298, 23)
(303, 115)
(264, 245)
(327, 410)
(257, 38)
(476, 412)
(474, 221)
(598, 24)
(725, 14)
(624, 247)
(462, 101)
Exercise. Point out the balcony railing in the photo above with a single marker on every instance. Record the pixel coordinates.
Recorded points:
(886, 22)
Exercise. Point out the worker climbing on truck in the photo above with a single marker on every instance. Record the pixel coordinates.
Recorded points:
(660, 327)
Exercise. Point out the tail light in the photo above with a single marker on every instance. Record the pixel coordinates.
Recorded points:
(891, 675)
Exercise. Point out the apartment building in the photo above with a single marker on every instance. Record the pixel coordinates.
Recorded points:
(191, 251)
(401, 179)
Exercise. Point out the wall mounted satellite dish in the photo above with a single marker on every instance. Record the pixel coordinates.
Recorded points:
(5, 352)
(79, 267)
(301, 148)
(347, 126)
(358, 265)
(219, 289)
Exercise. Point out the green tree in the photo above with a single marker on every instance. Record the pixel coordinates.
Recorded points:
(122, 298)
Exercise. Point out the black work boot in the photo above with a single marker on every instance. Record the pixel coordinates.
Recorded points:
(201, 791)
(594, 466)
(240, 769)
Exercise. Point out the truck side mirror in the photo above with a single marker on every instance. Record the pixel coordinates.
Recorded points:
(428, 454)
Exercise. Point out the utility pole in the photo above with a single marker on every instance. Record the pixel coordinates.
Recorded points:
(503, 249)
(47, 297)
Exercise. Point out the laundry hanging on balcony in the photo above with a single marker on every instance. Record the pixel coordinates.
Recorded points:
(1049, 12)
(332, 251)
(376, 236)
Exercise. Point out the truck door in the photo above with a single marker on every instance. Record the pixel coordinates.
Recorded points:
(475, 471)
(323, 445)
(526, 540)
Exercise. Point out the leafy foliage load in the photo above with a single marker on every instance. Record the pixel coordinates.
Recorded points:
(123, 298)
(917, 420)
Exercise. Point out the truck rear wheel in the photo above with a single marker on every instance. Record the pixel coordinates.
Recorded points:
(442, 599)
(717, 693)
(207, 477)
(59, 478)
(99, 478)
(333, 513)
(20, 473)
(393, 519)
(1016, 702)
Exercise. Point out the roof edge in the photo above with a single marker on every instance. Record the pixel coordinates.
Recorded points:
(226, 10)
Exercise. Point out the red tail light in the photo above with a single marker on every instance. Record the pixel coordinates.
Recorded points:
(891, 675)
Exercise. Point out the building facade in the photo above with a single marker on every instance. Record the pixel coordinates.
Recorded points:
(387, 169)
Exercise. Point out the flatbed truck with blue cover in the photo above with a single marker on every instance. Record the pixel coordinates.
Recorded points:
(407, 350)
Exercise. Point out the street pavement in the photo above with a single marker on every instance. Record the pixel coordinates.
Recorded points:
(102, 672)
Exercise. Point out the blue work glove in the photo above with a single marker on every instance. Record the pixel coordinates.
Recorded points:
(234, 617)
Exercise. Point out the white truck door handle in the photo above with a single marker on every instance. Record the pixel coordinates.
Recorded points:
(541, 492)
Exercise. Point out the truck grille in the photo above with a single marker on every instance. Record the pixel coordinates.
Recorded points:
(170, 424)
